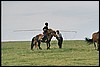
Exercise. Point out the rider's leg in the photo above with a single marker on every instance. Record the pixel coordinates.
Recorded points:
(44, 37)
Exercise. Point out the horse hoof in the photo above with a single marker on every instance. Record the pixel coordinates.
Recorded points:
(48, 48)
(31, 49)
(60, 47)
(40, 48)
(97, 49)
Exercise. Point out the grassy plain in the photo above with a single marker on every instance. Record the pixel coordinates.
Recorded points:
(73, 53)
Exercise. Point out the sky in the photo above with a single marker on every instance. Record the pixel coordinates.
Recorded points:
(80, 16)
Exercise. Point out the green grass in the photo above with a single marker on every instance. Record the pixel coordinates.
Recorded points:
(73, 53)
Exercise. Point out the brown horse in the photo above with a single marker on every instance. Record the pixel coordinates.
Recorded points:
(95, 39)
(38, 39)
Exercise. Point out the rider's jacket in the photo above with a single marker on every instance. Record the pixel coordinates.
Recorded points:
(45, 28)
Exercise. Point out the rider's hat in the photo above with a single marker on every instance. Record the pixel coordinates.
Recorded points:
(46, 24)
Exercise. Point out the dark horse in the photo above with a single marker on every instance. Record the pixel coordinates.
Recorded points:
(38, 39)
(95, 39)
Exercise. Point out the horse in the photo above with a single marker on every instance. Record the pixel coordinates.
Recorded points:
(38, 39)
(95, 39)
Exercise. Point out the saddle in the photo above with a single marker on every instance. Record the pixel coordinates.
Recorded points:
(44, 38)
(47, 33)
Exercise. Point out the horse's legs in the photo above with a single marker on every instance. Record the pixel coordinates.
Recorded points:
(35, 45)
(48, 45)
(32, 44)
(98, 46)
(39, 45)
(94, 45)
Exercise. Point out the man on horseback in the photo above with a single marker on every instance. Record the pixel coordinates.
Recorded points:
(45, 29)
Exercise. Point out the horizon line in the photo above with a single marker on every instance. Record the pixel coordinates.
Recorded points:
(30, 40)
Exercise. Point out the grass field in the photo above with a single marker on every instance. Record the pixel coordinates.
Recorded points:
(73, 53)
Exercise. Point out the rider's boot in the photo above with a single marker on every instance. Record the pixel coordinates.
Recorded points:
(43, 39)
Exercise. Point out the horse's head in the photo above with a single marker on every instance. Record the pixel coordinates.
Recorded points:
(88, 40)
(54, 34)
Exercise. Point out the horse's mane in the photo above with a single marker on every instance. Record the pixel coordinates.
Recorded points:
(51, 31)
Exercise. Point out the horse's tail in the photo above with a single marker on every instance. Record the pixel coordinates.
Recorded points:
(32, 44)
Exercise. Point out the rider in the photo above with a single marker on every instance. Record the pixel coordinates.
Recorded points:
(45, 28)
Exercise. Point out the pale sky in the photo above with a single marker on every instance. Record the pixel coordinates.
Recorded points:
(80, 16)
